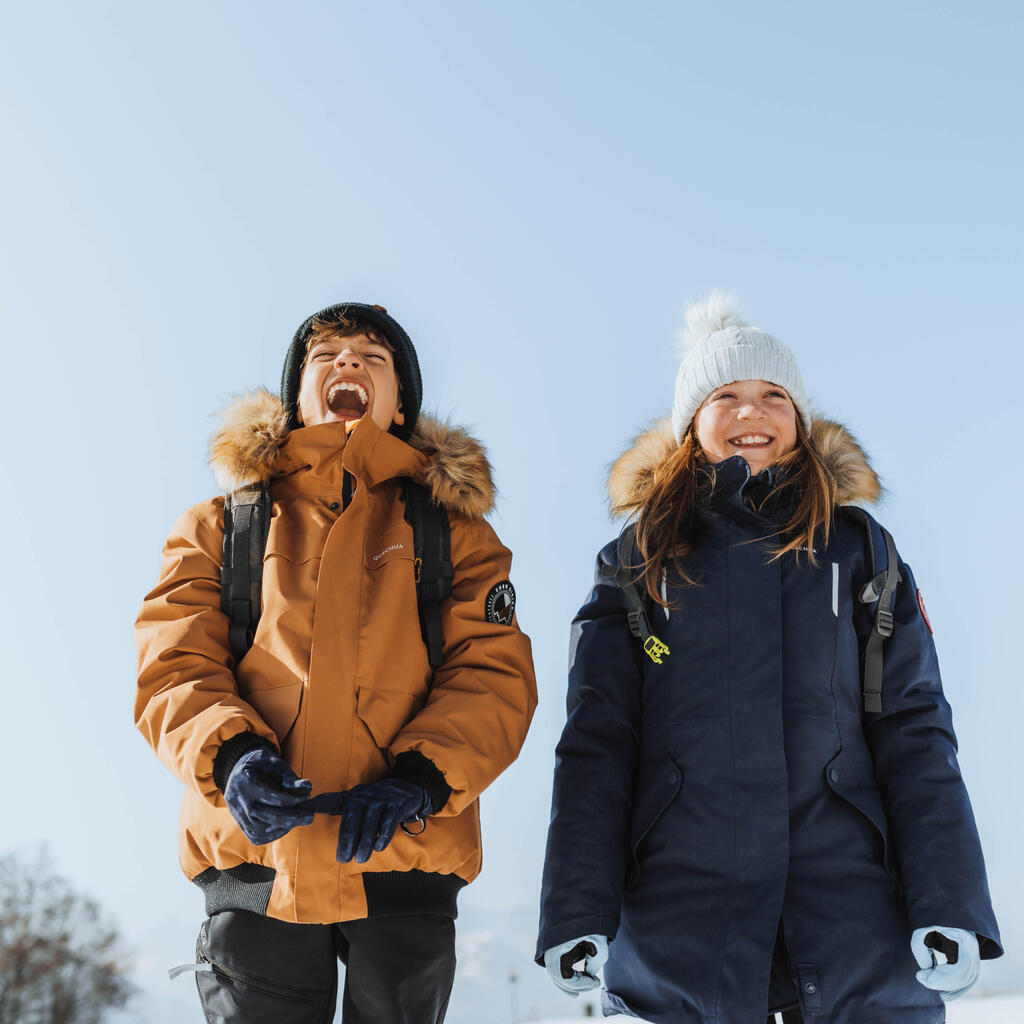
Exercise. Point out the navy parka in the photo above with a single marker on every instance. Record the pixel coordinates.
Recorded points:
(737, 793)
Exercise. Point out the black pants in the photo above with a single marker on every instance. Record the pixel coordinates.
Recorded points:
(399, 970)
(788, 1017)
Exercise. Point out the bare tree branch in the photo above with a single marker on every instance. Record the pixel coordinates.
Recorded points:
(60, 960)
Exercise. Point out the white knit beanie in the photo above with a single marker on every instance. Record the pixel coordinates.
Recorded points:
(719, 348)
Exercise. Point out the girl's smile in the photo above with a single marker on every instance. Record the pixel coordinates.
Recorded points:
(752, 418)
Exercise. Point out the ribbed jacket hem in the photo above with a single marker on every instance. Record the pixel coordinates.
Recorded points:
(388, 893)
(245, 887)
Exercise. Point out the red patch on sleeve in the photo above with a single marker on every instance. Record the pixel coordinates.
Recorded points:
(924, 613)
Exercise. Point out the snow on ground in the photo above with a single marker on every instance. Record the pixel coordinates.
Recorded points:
(987, 1010)
(992, 1010)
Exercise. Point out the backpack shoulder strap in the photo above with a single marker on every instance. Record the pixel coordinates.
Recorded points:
(636, 600)
(431, 533)
(246, 524)
(880, 590)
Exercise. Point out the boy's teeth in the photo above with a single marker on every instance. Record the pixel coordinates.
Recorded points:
(347, 399)
(348, 386)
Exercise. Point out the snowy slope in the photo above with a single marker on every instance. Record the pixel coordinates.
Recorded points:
(992, 1010)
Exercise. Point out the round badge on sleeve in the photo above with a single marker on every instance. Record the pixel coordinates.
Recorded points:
(501, 603)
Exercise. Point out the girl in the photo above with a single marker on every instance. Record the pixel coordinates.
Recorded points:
(737, 827)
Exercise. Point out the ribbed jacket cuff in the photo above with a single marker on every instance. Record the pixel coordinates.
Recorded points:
(232, 751)
(413, 766)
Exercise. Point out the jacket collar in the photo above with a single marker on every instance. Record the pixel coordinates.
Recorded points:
(633, 472)
(254, 445)
(320, 454)
(731, 487)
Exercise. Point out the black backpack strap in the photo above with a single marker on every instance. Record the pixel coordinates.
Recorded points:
(636, 603)
(246, 524)
(880, 590)
(432, 548)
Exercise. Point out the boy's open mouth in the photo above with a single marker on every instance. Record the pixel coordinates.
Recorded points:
(347, 399)
(751, 441)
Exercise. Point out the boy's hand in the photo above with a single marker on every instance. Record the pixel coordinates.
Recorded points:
(372, 812)
(262, 793)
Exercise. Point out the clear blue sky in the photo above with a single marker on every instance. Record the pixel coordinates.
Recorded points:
(534, 190)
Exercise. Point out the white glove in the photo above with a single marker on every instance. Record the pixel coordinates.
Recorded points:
(559, 960)
(950, 980)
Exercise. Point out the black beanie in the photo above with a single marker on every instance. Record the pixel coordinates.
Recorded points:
(406, 364)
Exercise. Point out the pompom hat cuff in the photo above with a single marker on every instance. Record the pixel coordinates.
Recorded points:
(732, 354)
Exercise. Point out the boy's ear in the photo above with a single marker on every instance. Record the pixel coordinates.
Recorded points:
(399, 418)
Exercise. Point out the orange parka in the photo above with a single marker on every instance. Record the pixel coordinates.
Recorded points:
(337, 678)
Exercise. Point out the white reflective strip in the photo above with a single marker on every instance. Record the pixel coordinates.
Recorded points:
(173, 972)
(835, 589)
(664, 591)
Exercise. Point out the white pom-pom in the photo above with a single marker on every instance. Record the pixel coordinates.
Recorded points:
(718, 311)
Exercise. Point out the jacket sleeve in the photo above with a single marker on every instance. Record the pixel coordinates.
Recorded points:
(914, 749)
(187, 704)
(484, 693)
(595, 763)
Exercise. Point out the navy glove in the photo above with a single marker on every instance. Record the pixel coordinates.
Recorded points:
(263, 795)
(372, 812)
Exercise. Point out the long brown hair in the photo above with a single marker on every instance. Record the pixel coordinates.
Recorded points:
(670, 525)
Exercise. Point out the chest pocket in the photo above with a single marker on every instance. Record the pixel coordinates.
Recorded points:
(394, 544)
(815, 610)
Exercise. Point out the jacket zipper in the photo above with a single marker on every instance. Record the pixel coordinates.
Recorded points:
(258, 984)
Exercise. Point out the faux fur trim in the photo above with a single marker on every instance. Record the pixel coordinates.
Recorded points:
(459, 473)
(632, 473)
(244, 449)
(253, 427)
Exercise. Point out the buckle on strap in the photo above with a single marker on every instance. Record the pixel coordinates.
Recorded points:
(884, 623)
(638, 623)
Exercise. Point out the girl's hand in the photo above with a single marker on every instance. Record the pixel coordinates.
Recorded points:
(559, 960)
(958, 971)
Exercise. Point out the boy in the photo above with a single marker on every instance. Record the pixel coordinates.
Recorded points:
(337, 686)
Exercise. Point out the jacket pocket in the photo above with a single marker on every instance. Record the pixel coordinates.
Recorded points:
(273, 690)
(656, 789)
(389, 546)
(385, 712)
(865, 798)
(257, 984)
(244, 978)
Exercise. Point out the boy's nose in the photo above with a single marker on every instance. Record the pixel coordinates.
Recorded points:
(347, 358)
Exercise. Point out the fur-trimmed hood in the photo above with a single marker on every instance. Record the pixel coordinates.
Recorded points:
(245, 449)
(633, 472)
